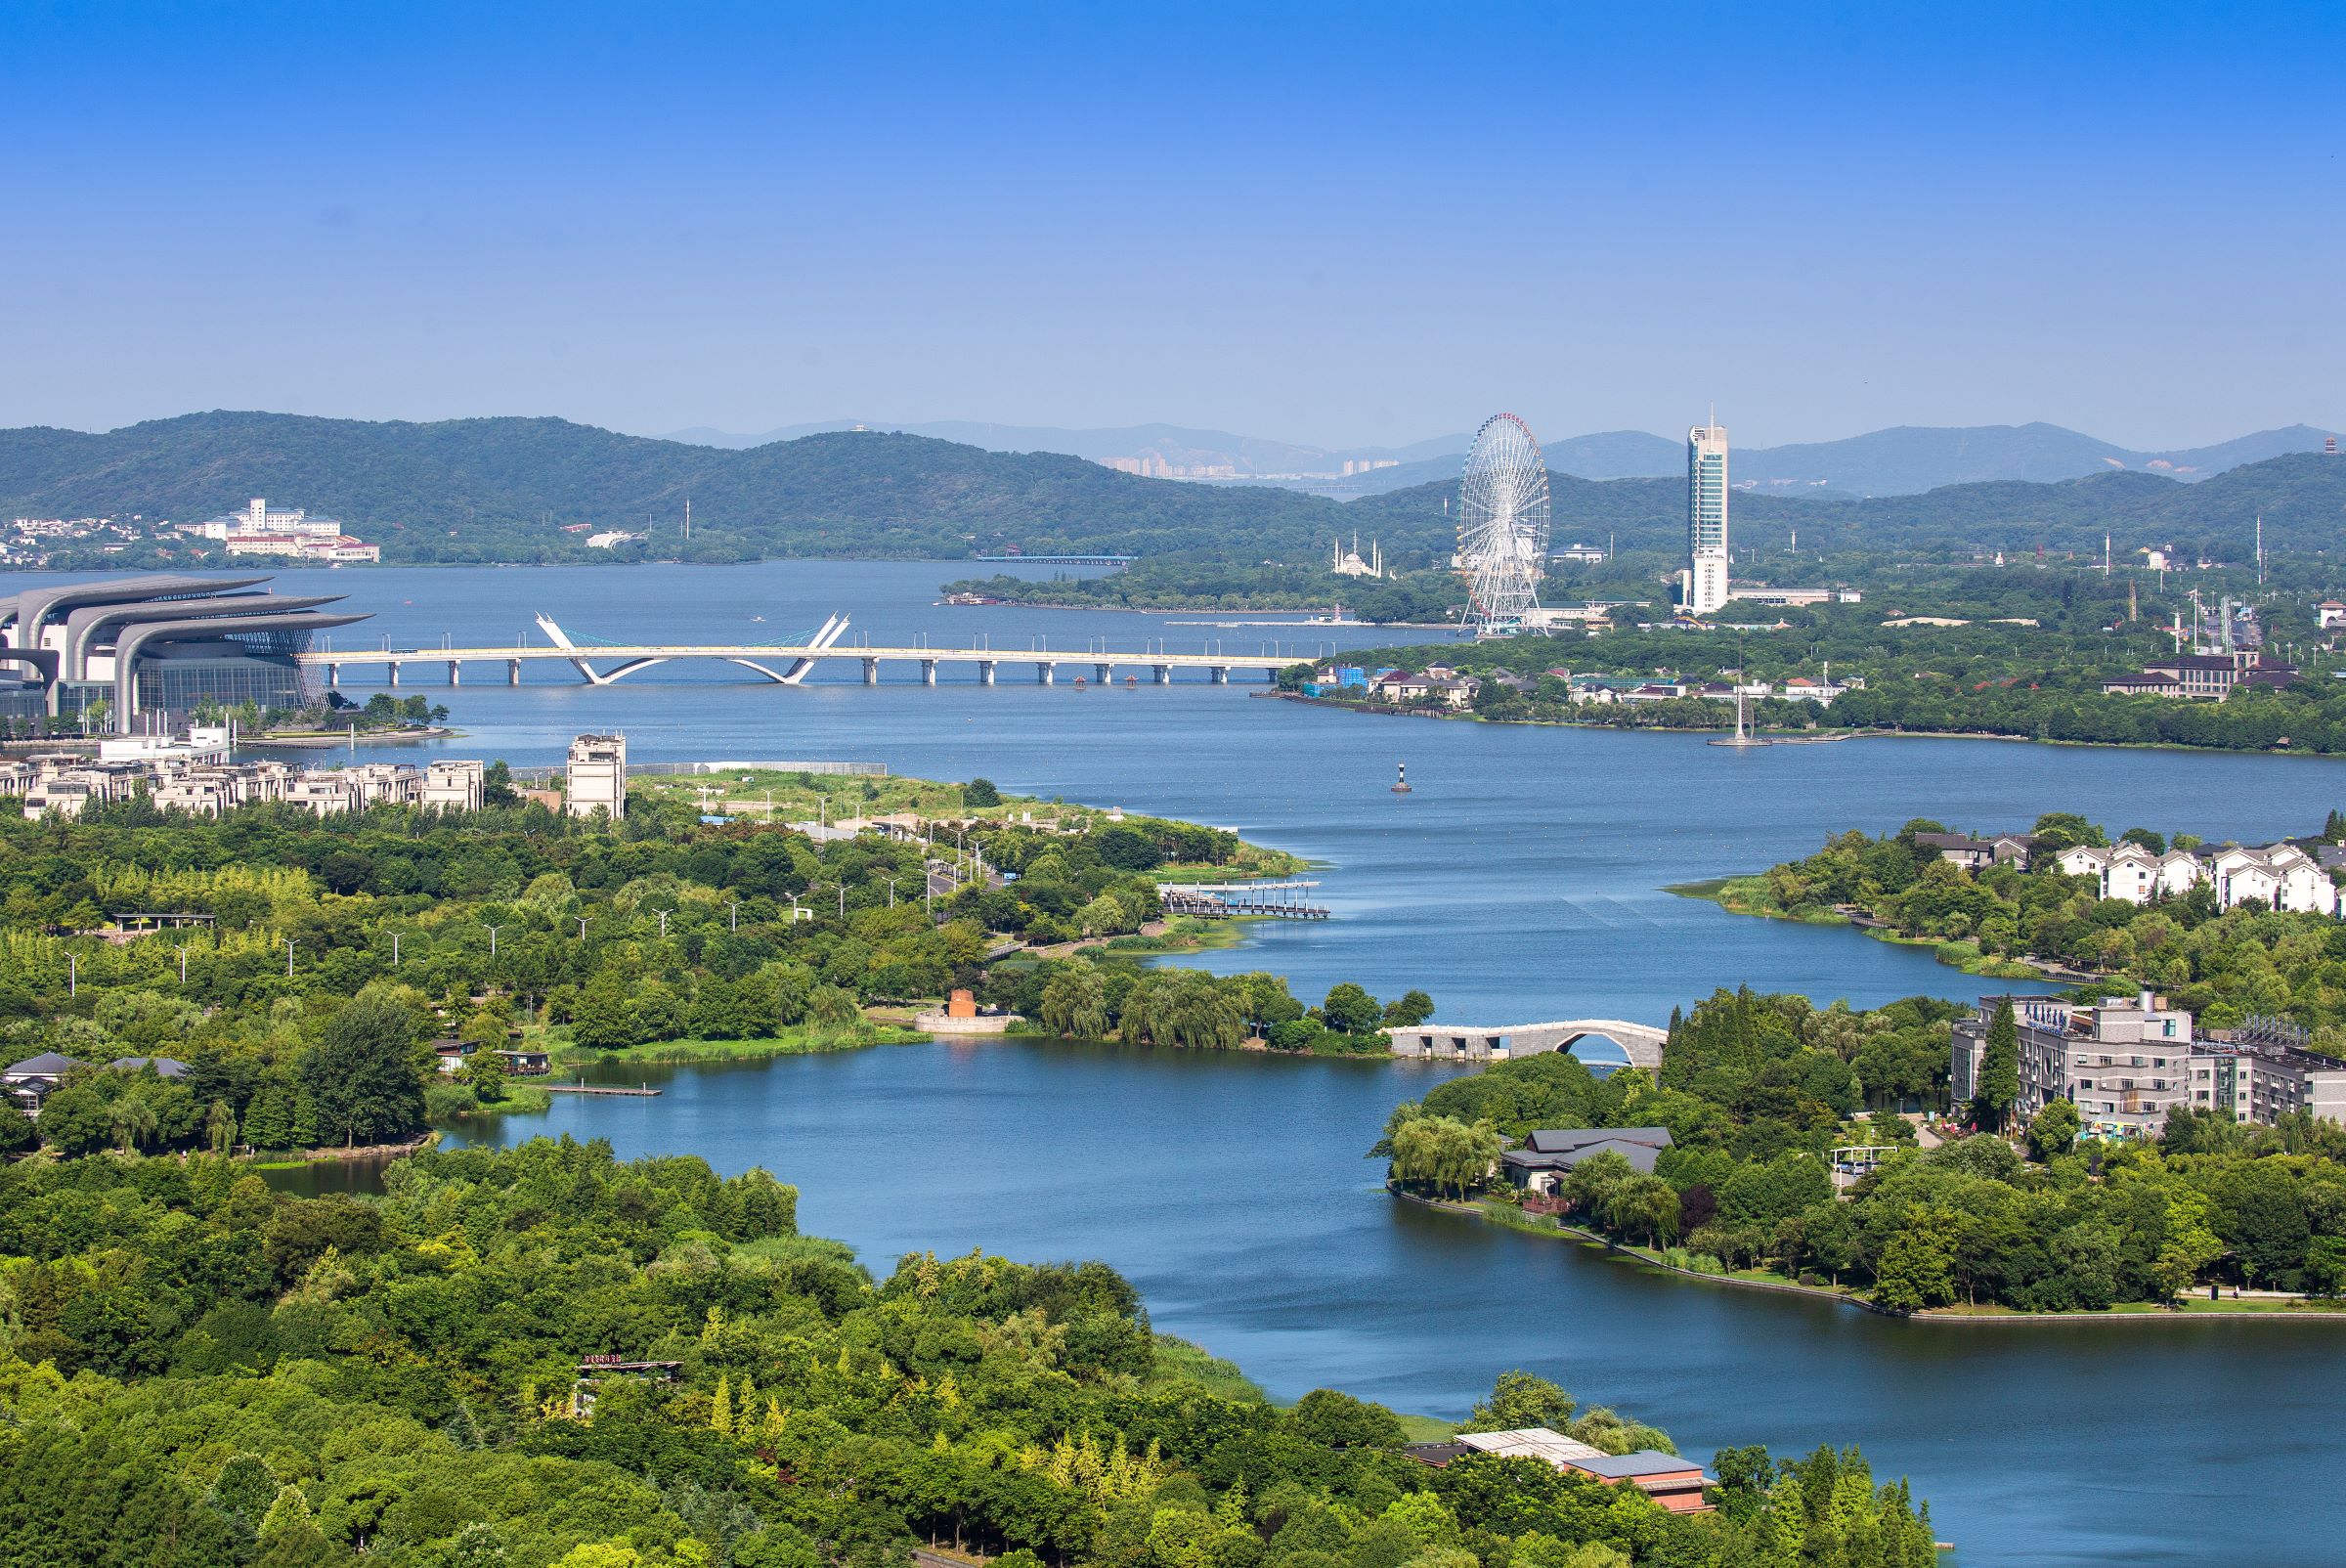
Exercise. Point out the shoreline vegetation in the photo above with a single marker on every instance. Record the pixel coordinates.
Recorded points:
(2299, 1309)
(543, 1356)
(2027, 920)
(1772, 1148)
(1748, 896)
(328, 972)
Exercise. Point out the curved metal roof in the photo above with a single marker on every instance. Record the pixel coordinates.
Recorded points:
(83, 624)
(32, 606)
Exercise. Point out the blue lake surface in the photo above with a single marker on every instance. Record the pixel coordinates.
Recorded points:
(1523, 879)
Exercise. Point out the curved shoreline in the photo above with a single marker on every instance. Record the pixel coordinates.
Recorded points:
(1563, 1232)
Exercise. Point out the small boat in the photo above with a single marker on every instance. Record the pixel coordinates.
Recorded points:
(756, 617)
(1400, 781)
(1081, 683)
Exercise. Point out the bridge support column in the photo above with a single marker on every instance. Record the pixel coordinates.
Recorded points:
(1046, 674)
(928, 671)
(1163, 673)
(985, 672)
(1219, 675)
(871, 671)
(455, 673)
(334, 676)
(512, 672)
(393, 667)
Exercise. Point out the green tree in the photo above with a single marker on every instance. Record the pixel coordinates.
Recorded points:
(1520, 1400)
(980, 792)
(2053, 1131)
(1408, 1010)
(1998, 1088)
(361, 1074)
(602, 1020)
(1351, 1010)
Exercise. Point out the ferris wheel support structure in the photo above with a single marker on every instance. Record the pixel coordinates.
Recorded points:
(1502, 526)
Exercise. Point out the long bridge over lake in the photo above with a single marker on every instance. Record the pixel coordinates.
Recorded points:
(788, 663)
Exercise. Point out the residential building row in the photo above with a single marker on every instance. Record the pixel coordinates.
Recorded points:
(1449, 686)
(2294, 875)
(2286, 876)
(2124, 1065)
(67, 784)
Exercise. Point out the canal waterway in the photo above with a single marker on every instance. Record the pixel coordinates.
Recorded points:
(1521, 879)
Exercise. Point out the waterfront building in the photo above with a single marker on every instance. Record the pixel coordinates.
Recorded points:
(1675, 1482)
(453, 786)
(598, 776)
(1977, 855)
(2206, 676)
(1546, 1158)
(157, 644)
(262, 530)
(1703, 584)
(2123, 1064)
(2281, 876)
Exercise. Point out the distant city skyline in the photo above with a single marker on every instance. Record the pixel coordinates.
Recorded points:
(2111, 218)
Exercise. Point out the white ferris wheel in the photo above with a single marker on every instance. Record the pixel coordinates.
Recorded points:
(1503, 525)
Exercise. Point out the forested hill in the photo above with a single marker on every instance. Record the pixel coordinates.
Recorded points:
(2301, 497)
(504, 489)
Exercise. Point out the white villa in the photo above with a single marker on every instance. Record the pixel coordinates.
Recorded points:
(2281, 876)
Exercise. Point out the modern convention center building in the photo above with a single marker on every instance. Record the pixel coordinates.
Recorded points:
(165, 645)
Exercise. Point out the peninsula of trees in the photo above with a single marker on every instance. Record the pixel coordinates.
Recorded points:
(1756, 1091)
(541, 1356)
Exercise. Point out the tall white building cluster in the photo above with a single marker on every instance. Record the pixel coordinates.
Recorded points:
(1703, 583)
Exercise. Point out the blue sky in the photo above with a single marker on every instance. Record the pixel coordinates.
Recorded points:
(1332, 224)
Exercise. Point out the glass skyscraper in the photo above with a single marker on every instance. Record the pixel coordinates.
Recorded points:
(1703, 584)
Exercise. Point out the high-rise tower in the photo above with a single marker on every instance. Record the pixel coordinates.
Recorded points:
(1703, 584)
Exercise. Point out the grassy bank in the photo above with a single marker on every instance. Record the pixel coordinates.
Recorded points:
(1750, 896)
(797, 1040)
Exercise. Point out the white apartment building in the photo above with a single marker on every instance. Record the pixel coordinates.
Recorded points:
(2281, 876)
(598, 776)
(453, 786)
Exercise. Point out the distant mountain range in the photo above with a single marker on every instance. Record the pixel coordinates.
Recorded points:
(526, 490)
(1903, 461)
(1177, 446)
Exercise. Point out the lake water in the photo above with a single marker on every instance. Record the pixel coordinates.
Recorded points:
(1521, 880)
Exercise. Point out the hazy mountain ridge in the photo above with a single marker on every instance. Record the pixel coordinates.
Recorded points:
(504, 488)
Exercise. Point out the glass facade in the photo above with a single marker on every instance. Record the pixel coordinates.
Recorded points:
(178, 686)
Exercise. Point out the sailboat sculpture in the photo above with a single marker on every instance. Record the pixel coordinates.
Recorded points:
(1743, 737)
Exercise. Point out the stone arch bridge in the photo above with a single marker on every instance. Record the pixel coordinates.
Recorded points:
(1460, 1042)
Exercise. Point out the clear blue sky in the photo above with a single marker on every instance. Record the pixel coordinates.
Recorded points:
(1334, 224)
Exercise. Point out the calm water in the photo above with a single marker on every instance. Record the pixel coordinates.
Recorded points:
(1522, 880)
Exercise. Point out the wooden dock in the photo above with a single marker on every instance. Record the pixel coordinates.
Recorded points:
(640, 1091)
(1221, 900)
